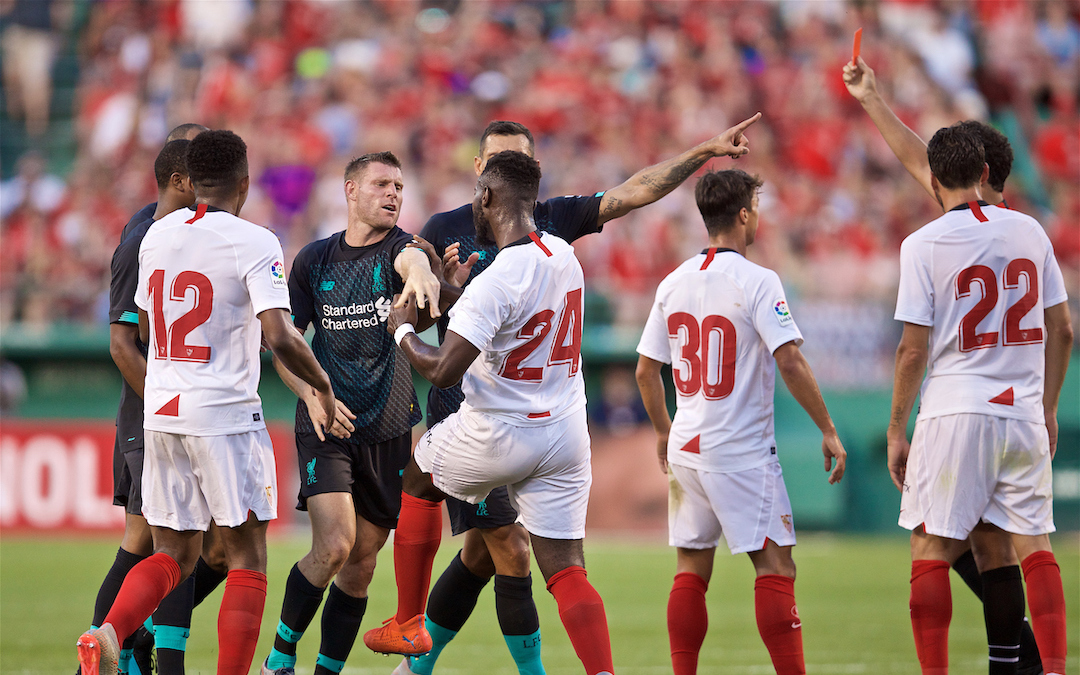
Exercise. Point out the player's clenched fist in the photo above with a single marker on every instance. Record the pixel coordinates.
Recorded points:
(860, 81)
(403, 312)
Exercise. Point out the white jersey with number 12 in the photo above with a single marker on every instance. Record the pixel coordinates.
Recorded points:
(204, 277)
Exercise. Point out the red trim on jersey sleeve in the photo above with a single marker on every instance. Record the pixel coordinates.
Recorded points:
(708, 258)
(200, 211)
(1004, 398)
(977, 210)
(172, 408)
(536, 240)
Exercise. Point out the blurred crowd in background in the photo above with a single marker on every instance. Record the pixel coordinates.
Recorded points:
(606, 87)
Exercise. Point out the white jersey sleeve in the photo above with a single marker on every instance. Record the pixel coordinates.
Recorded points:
(915, 297)
(771, 316)
(654, 342)
(1053, 284)
(264, 274)
(483, 307)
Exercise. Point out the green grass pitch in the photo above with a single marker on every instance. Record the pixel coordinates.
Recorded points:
(852, 593)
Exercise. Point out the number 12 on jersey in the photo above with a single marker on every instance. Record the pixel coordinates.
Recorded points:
(565, 348)
(170, 342)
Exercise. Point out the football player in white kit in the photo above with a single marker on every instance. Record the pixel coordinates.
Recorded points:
(983, 305)
(515, 337)
(861, 83)
(211, 286)
(722, 322)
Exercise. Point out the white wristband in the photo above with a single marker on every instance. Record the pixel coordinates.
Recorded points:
(403, 330)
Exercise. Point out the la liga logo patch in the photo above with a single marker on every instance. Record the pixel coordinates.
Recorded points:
(277, 274)
(783, 316)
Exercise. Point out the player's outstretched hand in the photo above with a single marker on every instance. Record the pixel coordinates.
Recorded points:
(429, 250)
(859, 80)
(423, 286)
(404, 311)
(456, 272)
(835, 457)
(898, 454)
(732, 142)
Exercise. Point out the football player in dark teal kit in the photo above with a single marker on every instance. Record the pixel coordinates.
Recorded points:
(351, 479)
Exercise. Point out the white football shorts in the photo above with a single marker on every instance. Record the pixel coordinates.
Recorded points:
(968, 467)
(746, 507)
(187, 480)
(547, 468)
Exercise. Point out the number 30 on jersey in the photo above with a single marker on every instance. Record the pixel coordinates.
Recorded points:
(170, 342)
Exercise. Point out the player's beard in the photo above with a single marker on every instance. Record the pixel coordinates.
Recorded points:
(484, 234)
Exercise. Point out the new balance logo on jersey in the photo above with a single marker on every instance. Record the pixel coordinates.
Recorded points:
(367, 315)
(311, 479)
(327, 285)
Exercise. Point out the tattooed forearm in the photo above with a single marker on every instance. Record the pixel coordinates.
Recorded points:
(670, 174)
(612, 207)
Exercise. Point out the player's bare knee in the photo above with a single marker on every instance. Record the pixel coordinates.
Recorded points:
(331, 552)
(476, 557)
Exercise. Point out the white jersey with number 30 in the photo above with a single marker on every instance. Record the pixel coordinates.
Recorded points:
(204, 276)
(524, 315)
(980, 277)
(717, 319)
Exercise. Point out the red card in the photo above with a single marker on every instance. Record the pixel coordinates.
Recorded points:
(857, 47)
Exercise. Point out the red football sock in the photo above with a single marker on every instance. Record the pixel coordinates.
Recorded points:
(145, 586)
(931, 612)
(778, 622)
(239, 619)
(687, 621)
(416, 541)
(582, 613)
(1047, 602)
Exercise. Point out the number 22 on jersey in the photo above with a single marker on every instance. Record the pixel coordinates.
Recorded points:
(984, 277)
(565, 348)
(170, 342)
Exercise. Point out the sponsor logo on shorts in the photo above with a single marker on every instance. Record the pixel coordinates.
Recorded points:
(311, 479)
(786, 520)
(783, 316)
(277, 274)
(255, 417)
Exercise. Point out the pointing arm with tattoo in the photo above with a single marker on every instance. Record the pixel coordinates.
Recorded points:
(653, 182)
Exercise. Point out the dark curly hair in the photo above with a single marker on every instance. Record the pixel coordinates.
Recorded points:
(515, 171)
(998, 152)
(956, 156)
(172, 159)
(720, 195)
(217, 159)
